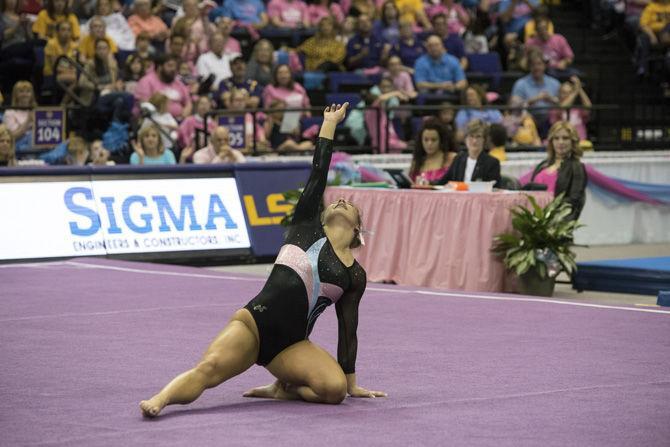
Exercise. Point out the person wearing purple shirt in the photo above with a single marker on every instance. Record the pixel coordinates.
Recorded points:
(239, 80)
(408, 49)
(438, 71)
(364, 50)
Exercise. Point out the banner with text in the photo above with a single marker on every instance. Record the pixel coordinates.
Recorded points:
(54, 219)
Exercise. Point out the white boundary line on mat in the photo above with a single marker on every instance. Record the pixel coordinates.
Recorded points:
(373, 289)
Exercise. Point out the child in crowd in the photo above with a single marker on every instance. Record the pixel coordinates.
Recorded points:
(7, 153)
(290, 141)
(144, 50)
(77, 152)
(158, 115)
(100, 155)
(190, 80)
(189, 127)
(241, 126)
(133, 71)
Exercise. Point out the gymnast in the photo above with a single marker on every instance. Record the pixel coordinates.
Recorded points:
(315, 268)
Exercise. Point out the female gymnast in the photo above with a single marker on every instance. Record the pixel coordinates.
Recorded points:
(314, 269)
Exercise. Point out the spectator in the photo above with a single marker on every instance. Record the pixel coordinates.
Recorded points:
(402, 80)
(101, 74)
(242, 125)
(413, 11)
(176, 46)
(225, 26)
(16, 50)
(438, 71)
(156, 114)
(530, 28)
(554, 47)
(100, 155)
(239, 81)
(150, 149)
(387, 27)
(116, 25)
(245, 12)
(446, 116)
(284, 141)
(514, 14)
(567, 96)
(364, 50)
(55, 11)
(318, 9)
(475, 98)
(20, 121)
(537, 90)
(77, 152)
(59, 45)
(261, 64)
(434, 151)
(562, 171)
(322, 51)
(452, 42)
(145, 51)
(164, 79)
(456, 17)
(97, 29)
(187, 75)
(188, 128)
(384, 97)
(654, 31)
(289, 14)
(284, 88)
(218, 150)
(196, 21)
(133, 71)
(408, 49)
(143, 20)
(358, 8)
(215, 62)
(521, 128)
(7, 149)
(498, 137)
(474, 164)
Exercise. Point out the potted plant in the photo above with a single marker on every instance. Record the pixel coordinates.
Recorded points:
(539, 248)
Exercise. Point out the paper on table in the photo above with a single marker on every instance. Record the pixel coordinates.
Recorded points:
(291, 120)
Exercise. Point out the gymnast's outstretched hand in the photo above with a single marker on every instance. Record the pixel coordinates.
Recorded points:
(358, 391)
(335, 112)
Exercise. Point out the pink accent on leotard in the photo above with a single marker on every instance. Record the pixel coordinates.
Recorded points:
(294, 257)
(330, 291)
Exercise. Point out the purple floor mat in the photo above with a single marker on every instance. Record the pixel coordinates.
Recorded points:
(84, 341)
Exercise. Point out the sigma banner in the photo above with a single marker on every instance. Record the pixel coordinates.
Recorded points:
(57, 219)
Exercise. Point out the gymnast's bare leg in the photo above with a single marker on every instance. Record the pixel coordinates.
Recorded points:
(232, 352)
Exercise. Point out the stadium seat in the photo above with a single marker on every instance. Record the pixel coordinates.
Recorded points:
(340, 98)
(485, 65)
(340, 81)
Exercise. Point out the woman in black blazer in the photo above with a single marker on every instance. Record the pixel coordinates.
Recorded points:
(562, 171)
(474, 164)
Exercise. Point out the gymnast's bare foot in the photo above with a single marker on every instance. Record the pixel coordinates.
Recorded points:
(150, 408)
(276, 390)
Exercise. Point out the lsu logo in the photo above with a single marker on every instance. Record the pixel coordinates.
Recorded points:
(276, 206)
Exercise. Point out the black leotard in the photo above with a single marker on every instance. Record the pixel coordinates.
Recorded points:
(307, 277)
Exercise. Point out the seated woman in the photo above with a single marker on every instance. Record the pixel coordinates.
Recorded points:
(55, 11)
(290, 141)
(261, 64)
(284, 88)
(567, 97)
(273, 329)
(434, 151)
(150, 149)
(474, 97)
(322, 51)
(474, 164)
(7, 150)
(19, 121)
(385, 97)
(188, 129)
(562, 171)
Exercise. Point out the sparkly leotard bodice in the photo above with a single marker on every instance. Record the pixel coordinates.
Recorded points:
(307, 277)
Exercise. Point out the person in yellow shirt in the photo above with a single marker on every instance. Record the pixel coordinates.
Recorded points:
(655, 31)
(97, 30)
(413, 11)
(498, 140)
(55, 11)
(323, 51)
(60, 44)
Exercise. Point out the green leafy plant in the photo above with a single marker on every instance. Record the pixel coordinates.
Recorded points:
(541, 240)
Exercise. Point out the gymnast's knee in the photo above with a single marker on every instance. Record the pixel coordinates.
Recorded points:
(332, 390)
(208, 369)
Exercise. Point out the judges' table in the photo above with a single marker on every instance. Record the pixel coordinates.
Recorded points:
(434, 238)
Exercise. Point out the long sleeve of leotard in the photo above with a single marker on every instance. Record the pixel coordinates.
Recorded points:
(347, 321)
(310, 199)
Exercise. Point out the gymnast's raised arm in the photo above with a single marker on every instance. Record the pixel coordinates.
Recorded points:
(310, 199)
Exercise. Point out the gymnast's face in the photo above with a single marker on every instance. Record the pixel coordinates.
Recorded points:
(341, 213)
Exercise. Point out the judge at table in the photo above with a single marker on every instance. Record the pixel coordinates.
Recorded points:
(474, 164)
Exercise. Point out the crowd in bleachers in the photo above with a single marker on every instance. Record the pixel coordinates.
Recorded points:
(131, 70)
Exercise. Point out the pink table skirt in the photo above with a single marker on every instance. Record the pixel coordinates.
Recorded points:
(434, 239)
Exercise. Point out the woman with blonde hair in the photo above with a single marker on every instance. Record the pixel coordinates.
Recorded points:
(261, 64)
(562, 171)
(150, 150)
(19, 121)
(7, 151)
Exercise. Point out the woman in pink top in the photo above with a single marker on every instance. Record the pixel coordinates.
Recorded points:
(20, 121)
(402, 80)
(284, 88)
(434, 151)
(457, 17)
(144, 20)
(188, 127)
(567, 96)
(324, 8)
(290, 14)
